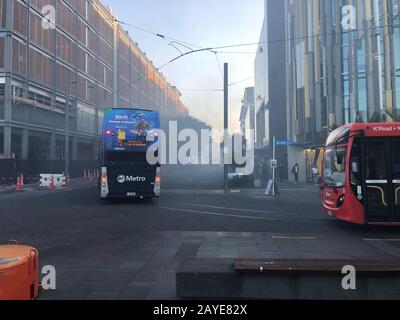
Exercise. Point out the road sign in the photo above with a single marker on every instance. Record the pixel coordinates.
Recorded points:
(284, 142)
(272, 188)
(269, 187)
(274, 163)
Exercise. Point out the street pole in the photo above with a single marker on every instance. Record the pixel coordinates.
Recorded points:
(66, 171)
(273, 168)
(226, 125)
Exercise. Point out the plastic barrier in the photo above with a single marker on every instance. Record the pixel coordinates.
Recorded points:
(59, 180)
(19, 272)
(18, 186)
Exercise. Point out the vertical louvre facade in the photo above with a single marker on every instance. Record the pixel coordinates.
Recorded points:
(84, 54)
(342, 60)
(343, 64)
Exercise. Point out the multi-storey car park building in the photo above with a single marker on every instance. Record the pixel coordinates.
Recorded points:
(82, 56)
(342, 65)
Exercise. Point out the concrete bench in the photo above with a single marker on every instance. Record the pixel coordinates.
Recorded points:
(285, 279)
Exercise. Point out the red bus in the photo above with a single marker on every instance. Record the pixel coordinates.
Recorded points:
(361, 173)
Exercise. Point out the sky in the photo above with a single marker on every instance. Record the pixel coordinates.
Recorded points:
(204, 23)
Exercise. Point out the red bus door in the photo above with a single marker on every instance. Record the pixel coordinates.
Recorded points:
(378, 176)
(396, 177)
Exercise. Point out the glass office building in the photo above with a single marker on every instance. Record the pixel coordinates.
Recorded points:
(342, 64)
(342, 60)
(69, 57)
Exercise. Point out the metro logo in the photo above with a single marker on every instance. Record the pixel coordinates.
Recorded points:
(122, 179)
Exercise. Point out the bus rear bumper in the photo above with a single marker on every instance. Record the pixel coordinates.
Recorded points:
(131, 195)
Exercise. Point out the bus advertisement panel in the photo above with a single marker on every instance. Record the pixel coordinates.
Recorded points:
(125, 171)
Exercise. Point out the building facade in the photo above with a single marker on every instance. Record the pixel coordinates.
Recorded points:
(62, 62)
(342, 65)
(247, 115)
(270, 97)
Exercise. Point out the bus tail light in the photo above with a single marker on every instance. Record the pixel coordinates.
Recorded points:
(104, 190)
(157, 183)
(158, 179)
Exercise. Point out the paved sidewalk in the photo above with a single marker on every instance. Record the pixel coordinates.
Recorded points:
(144, 265)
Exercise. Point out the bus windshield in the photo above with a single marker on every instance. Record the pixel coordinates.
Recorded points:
(334, 170)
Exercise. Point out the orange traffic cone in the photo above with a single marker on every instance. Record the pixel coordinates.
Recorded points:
(18, 185)
(51, 186)
(22, 181)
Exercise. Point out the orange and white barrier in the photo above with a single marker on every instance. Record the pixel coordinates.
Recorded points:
(19, 272)
(53, 181)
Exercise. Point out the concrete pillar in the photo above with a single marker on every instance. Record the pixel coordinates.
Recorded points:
(352, 53)
(96, 150)
(7, 92)
(97, 139)
(377, 64)
(53, 139)
(369, 58)
(337, 111)
(25, 144)
(74, 148)
(116, 41)
(387, 60)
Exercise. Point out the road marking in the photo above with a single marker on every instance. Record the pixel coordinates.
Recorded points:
(218, 214)
(382, 240)
(232, 209)
(293, 238)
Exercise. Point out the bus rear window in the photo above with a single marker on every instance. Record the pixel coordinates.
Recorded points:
(115, 156)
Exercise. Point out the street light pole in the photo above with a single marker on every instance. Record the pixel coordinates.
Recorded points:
(274, 166)
(226, 123)
(66, 153)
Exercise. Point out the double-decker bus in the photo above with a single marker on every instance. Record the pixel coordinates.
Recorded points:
(125, 171)
(361, 175)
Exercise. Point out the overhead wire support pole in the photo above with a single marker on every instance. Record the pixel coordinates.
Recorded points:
(226, 123)
(66, 146)
(274, 167)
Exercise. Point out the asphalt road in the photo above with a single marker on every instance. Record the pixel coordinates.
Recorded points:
(131, 249)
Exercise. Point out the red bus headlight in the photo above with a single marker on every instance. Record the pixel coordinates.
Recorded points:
(340, 201)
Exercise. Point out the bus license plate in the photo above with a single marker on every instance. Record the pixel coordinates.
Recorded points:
(131, 194)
